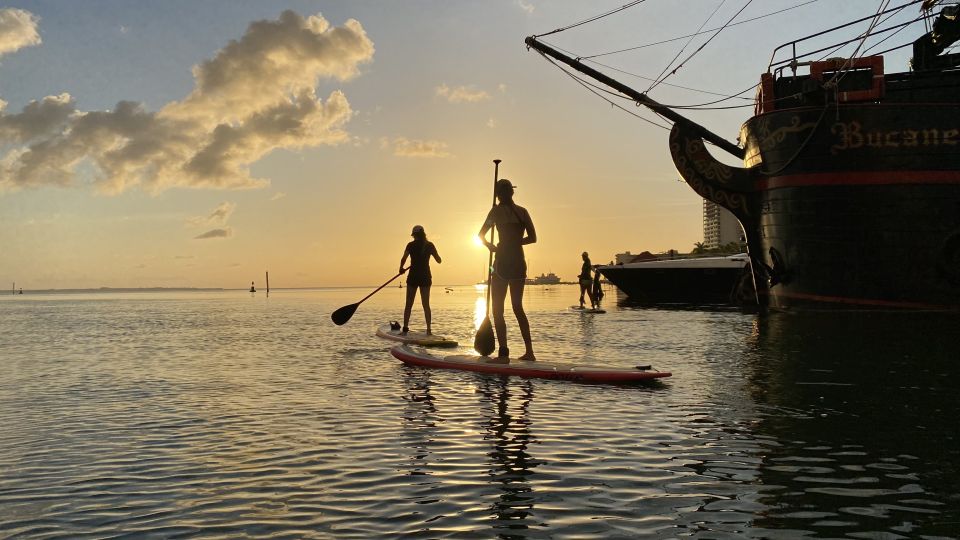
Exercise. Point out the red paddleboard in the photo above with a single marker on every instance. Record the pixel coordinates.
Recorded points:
(520, 368)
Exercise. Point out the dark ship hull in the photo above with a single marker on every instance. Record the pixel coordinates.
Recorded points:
(848, 204)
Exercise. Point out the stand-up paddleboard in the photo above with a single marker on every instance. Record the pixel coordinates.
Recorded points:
(415, 338)
(583, 309)
(520, 368)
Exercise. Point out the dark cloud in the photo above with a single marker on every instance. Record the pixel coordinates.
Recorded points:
(215, 233)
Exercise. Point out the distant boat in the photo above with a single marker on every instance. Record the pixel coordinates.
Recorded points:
(701, 280)
(544, 279)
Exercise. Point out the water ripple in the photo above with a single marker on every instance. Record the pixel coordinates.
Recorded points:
(221, 415)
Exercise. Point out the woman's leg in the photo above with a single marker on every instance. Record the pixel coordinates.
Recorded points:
(516, 301)
(498, 294)
(425, 300)
(411, 293)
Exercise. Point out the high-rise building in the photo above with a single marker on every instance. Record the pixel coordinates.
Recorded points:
(720, 227)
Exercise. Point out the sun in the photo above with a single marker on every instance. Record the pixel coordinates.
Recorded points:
(477, 241)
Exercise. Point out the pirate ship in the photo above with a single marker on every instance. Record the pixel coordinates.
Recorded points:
(849, 194)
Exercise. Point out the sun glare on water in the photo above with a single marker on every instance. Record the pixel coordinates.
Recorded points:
(480, 309)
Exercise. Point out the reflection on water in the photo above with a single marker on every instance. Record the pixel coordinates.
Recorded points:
(508, 433)
(479, 311)
(225, 416)
(861, 412)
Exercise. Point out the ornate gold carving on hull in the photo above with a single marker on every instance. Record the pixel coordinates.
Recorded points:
(711, 179)
(767, 139)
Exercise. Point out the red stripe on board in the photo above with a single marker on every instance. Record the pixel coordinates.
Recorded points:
(865, 301)
(861, 178)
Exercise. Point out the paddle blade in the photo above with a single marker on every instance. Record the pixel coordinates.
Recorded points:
(484, 342)
(343, 314)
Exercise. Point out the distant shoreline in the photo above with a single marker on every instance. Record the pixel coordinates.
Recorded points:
(119, 289)
(222, 289)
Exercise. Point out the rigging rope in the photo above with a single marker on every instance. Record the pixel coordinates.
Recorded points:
(702, 46)
(590, 87)
(902, 27)
(674, 59)
(574, 55)
(697, 34)
(594, 18)
(726, 96)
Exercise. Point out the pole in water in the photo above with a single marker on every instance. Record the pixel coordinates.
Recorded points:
(268, 283)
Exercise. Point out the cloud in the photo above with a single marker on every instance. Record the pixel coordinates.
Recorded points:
(413, 148)
(218, 216)
(461, 94)
(491, 123)
(183, 257)
(526, 6)
(226, 232)
(278, 195)
(18, 29)
(256, 95)
(38, 119)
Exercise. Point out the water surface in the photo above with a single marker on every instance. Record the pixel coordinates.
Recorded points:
(225, 414)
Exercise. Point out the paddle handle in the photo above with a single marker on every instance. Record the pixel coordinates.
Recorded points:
(389, 281)
(496, 176)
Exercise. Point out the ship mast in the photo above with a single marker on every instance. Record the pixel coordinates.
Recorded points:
(639, 97)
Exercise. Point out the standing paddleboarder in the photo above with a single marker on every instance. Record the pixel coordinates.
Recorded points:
(418, 275)
(586, 280)
(597, 289)
(515, 229)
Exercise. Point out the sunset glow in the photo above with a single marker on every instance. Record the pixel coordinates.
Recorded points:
(202, 145)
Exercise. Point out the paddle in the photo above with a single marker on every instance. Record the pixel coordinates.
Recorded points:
(342, 315)
(484, 342)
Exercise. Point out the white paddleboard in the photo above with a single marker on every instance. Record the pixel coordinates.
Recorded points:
(583, 309)
(415, 338)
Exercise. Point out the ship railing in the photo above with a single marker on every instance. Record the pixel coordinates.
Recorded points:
(796, 60)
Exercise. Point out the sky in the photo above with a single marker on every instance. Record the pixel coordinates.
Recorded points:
(202, 144)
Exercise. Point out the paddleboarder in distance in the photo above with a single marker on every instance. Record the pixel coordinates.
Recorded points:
(586, 280)
(418, 275)
(515, 229)
(597, 289)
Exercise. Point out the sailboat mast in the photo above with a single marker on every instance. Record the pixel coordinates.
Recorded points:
(637, 96)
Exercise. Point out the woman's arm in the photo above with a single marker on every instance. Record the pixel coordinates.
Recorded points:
(531, 237)
(403, 260)
(435, 254)
(487, 225)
